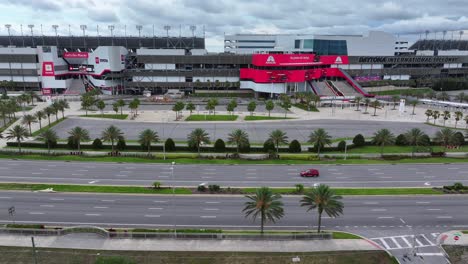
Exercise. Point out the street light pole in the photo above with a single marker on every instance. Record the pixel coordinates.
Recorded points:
(173, 197)
(8, 26)
(111, 28)
(84, 27)
(32, 34)
(55, 27)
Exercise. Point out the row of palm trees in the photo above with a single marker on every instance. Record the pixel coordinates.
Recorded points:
(446, 115)
(53, 109)
(268, 207)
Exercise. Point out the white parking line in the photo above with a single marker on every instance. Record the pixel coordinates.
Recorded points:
(83, 170)
(77, 174)
(423, 202)
(43, 169)
(209, 173)
(433, 209)
(157, 201)
(155, 208)
(100, 207)
(47, 205)
(211, 209)
(36, 173)
(107, 200)
(385, 217)
(444, 217)
(5, 197)
(379, 210)
(368, 203)
(93, 214)
(36, 213)
(121, 175)
(208, 216)
(212, 202)
(430, 242)
(406, 241)
(152, 216)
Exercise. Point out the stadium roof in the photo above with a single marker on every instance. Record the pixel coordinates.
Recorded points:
(432, 44)
(76, 42)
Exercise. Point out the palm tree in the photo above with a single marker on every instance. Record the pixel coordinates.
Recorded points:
(435, 115)
(121, 104)
(458, 117)
(395, 100)
(460, 97)
(49, 111)
(415, 137)
(375, 104)
(147, 137)
(264, 204)
(77, 135)
(446, 116)
(269, 105)
(357, 100)
(56, 106)
(18, 133)
(112, 134)
(323, 198)
(278, 137)
(383, 137)
(428, 113)
(62, 105)
(466, 121)
(197, 137)
(190, 107)
(445, 136)
(39, 116)
(414, 103)
(49, 137)
(319, 138)
(28, 120)
(238, 137)
(366, 103)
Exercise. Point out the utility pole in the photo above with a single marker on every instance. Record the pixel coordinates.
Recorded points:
(193, 28)
(167, 28)
(31, 27)
(34, 250)
(111, 28)
(56, 35)
(83, 28)
(139, 27)
(8, 26)
(22, 36)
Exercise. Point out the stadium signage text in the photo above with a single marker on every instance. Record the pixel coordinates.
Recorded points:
(407, 59)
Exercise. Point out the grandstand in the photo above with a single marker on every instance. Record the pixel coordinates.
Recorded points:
(438, 44)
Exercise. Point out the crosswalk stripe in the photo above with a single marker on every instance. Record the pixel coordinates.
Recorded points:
(395, 242)
(406, 241)
(430, 243)
(418, 242)
(384, 243)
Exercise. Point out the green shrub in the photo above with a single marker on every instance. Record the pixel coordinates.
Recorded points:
(113, 260)
(72, 143)
(245, 148)
(359, 140)
(426, 140)
(97, 144)
(401, 140)
(299, 188)
(295, 147)
(458, 186)
(201, 188)
(157, 185)
(169, 145)
(214, 188)
(269, 146)
(219, 146)
(459, 139)
(341, 145)
(121, 145)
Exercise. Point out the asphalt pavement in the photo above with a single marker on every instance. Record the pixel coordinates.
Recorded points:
(257, 131)
(401, 175)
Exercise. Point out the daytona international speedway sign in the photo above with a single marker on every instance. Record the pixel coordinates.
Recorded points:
(417, 59)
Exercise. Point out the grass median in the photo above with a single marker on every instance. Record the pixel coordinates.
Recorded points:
(108, 116)
(257, 118)
(361, 191)
(44, 128)
(211, 118)
(92, 188)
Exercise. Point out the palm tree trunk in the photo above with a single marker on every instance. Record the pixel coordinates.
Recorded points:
(262, 222)
(413, 109)
(63, 114)
(48, 147)
(48, 117)
(198, 147)
(121, 111)
(318, 151)
(112, 143)
(277, 151)
(40, 124)
(375, 110)
(19, 145)
(238, 151)
(269, 113)
(319, 222)
(149, 149)
(30, 131)
(78, 145)
(381, 150)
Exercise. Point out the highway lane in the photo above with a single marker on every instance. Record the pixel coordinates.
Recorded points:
(372, 215)
(401, 175)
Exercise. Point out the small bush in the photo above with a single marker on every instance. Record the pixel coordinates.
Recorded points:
(220, 146)
(121, 145)
(97, 144)
(214, 188)
(201, 188)
(458, 139)
(299, 188)
(359, 140)
(401, 140)
(157, 185)
(113, 260)
(245, 148)
(341, 145)
(458, 186)
(269, 146)
(295, 147)
(169, 145)
(71, 143)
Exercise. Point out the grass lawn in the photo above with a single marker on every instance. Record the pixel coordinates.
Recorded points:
(109, 116)
(8, 124)
(92, 188)
(26, 109)
(69, 256)
(400, 91)
(211, 118)
(230, 161)
(256, 118)
(362, 191)
(44, 128)
(461, 125)
(304, 107)
(397, 149)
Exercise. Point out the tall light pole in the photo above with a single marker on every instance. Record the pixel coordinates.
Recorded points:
(42, 36)
(97, 32)
(173, 197)
(167, 28)
(139, 28)
(31, 27)
(8, 26)
(83, 28)
(55, 27)
(22, 36)
(193, 28)
(111, 28)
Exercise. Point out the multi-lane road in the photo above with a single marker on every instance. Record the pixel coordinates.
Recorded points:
(401, 175)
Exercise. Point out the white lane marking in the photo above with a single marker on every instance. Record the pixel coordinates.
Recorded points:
(100, 207)
(444, 217)
(418, 242)
(403, 221)
(395, 242)
(155, 208)
(337, 173)
(251, 177)
(207, 177)
(430, 242)
(120, 175)
(5, 197)
(152, 216)
(77, 174)
(107, 200)
(420, 172)
(429, 254)
(51, 165)
(379, 210)
(452, 168)
(385, 177)
(36, 173)
(83, 170)
(433, 209)
(379, 173)
(90, 167)
(163, 176)
(212, 202)
(332, 169)
(385, 217)
(208, 216)
(43, 169)
(211, 209)
(384, 243)
(36, 213)
(47, 205)
(373, 169)
(129, 168)
(157, 201)
(412, 168)
(93, 214)
(251, 173)
(209, 173)
(251, 169)
(423, 202)
(435, 235)
(57, 199)
(125, 172)
(342, 177)
(292, 169)
(429, 177)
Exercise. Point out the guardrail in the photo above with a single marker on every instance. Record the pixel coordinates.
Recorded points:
(160, 235)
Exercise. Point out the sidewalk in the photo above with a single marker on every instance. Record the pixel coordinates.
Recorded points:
(91, 241)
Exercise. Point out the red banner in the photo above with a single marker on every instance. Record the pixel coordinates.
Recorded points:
(296, 60)
(285, 76)
(75, 55)
(48, 69)
(46, 91)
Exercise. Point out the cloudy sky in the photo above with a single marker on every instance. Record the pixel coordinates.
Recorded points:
(220, 17)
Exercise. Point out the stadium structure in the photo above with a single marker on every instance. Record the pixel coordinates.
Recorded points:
(267, 65)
